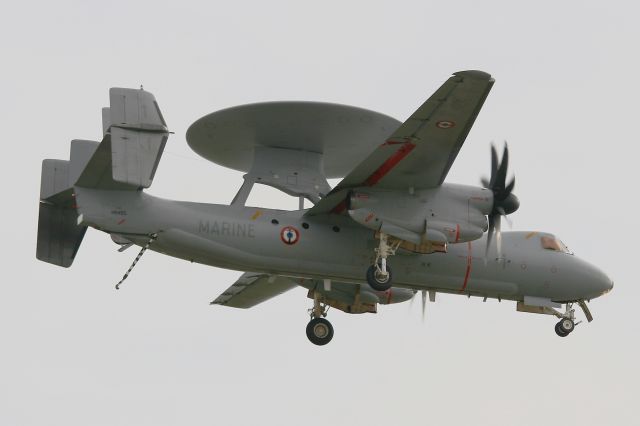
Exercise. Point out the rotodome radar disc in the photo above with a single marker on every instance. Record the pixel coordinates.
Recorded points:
(345, 135)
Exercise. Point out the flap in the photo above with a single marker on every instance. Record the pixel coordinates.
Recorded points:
(252, 289)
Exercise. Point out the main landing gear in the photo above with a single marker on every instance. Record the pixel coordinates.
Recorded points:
(319, 329)
(379, 274)
(567, 321)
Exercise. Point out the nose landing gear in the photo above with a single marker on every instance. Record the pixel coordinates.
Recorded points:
(319, 329)
(567, 322)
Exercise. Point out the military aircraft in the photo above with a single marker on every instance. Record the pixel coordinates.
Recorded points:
(390, 229)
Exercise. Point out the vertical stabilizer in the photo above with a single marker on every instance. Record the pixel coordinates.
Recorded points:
(134, 136)
(59, 235)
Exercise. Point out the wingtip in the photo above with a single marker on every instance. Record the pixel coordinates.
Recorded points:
(481, 75)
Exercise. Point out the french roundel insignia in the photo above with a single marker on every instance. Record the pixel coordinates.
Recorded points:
(445, 124)
(289, 235)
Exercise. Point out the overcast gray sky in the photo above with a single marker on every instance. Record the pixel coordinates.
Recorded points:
(76, 352)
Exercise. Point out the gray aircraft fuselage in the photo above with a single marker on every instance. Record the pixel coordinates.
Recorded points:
(335, 247)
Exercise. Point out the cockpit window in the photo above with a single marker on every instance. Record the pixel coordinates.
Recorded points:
(552, 243)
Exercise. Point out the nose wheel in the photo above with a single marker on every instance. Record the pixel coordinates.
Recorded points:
(564, 327)
(319, 329)
(567, 323)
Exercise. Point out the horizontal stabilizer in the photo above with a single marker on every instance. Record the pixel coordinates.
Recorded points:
(81, 153)
(252, 289)
(134, 136)
(98, 173)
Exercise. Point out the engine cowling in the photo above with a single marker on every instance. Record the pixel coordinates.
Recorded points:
(447, 214)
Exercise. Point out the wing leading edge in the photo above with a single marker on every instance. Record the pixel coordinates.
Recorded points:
(421, 151)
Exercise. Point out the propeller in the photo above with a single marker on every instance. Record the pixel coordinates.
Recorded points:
(504, 201)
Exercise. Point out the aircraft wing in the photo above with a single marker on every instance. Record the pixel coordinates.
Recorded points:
(421, 151)
(252, 289)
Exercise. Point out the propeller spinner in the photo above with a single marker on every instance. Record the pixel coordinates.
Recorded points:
(504, 201)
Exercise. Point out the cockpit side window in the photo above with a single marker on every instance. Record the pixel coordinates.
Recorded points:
(554, 244)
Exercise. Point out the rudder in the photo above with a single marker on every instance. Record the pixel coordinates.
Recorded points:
(59, 235)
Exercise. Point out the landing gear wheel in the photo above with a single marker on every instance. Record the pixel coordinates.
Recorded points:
(566, 325)
(319, 331)
(377, 280)
(559, 331)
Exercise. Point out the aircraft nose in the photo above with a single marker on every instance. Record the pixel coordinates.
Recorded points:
(604, 284)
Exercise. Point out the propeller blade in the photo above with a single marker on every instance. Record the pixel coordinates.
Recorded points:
(501, 176)
(489, 236)
(504, 202)
(511, 185)
(424, 303)
(494, 166)
(498, 238)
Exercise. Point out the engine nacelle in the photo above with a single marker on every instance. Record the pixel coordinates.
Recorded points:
(354, 299)
(447, 214)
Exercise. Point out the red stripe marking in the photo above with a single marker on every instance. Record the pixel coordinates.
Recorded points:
(404, 150)
(457, 232)
(340, 207)
(121, 221)
(390, 163)
(388, 296)
(468, 272)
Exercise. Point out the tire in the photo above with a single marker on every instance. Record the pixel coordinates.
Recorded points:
(376, 282)
(559, 331)
(319, 331)
(566, 325)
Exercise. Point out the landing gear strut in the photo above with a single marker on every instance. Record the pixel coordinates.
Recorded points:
(319, 330)
(567, 322)
(379, 274)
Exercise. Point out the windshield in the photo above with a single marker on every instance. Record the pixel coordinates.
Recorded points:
(554, 244)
